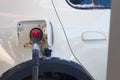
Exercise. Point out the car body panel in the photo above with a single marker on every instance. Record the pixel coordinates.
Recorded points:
(73, 23)
(91, 53)
(12, 12)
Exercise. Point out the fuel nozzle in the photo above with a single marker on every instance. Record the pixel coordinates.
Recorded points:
(35, 36)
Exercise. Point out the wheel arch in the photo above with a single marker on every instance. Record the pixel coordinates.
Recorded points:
(24, 70)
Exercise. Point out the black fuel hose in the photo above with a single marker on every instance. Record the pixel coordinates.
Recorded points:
(35, 35)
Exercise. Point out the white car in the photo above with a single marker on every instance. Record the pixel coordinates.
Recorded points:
(77, 32)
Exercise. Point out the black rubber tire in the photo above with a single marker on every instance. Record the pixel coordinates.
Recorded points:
(70, 68)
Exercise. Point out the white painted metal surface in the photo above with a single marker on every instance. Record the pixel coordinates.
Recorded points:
(91, 54)
(11, 12)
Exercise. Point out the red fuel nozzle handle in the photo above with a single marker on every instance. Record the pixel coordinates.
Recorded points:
(36, 33)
